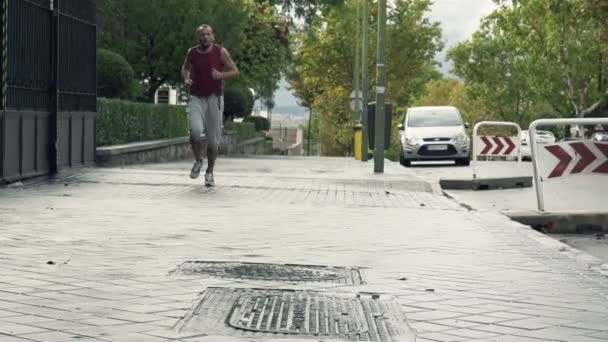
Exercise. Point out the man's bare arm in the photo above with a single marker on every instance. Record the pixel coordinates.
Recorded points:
(231, 70)
(186, 70)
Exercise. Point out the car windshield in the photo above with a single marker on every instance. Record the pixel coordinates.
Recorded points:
(433, 118)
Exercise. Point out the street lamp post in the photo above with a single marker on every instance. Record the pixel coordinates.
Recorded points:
(365, 77)
(356, 87)
(380, 89)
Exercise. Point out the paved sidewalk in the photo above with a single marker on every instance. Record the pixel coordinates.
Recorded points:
(89, 256)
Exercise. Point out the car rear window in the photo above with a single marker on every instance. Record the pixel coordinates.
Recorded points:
(438, 118)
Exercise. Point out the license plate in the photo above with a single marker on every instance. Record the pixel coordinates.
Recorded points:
(437, 147)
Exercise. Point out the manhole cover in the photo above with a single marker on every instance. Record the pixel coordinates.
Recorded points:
(276, 272)
(301, 314)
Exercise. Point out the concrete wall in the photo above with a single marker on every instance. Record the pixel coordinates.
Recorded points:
(159, 151)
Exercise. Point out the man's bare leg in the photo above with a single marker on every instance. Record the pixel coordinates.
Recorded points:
(211, 157)
(197, 150)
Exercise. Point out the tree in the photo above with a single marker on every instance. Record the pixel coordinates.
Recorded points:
(323, 72)
(454, 92)
(269, 104)
(154, 36)
(265, 48)
(238, 101)
(551, 50)
(114, 74)
(496, 76)
(304, 9)
(413, 42)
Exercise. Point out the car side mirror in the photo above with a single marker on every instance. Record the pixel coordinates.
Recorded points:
(466, 125)
(401, 127)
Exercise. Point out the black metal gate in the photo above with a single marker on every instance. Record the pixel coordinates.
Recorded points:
(48, 102)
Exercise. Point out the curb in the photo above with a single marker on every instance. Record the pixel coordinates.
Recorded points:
(486, 183)
(562, 222)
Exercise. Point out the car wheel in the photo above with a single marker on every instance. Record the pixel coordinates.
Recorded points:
(463, 161)
(404, 161)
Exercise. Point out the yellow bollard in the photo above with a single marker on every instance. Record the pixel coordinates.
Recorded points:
(358, 128)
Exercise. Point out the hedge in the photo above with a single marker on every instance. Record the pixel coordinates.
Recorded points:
(245, 130)
(260, 122)
(121, 122)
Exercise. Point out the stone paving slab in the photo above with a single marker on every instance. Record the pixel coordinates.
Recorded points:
(89, 256)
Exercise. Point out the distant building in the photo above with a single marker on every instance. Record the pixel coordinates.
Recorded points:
(262, 113)
(166, 94)
(287, 140)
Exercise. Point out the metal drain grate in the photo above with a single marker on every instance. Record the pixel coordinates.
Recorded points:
(274, 272)
(288, 313)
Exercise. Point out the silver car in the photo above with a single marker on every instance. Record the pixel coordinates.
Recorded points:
(542, 137)
(434, 133)
(600, 136)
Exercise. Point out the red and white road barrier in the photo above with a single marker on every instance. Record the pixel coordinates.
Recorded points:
(493, 145)
(572, 158)
(566, 158)
(498, 146)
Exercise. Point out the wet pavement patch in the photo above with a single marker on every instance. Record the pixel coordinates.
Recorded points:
(269, 313)
(271, 272)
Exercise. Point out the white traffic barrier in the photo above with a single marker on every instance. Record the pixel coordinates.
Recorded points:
(494, 145)
(573, 157)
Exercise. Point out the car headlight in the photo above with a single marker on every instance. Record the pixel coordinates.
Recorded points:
(461, 138)
(413, 140)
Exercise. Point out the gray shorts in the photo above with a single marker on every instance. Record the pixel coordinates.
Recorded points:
(205, 115)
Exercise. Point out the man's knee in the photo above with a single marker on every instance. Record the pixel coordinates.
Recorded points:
(195, 137)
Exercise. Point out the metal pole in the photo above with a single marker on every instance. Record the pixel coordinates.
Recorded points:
(380, 89)
(309, 129)
(357, 75)
(54, 110)
(356, 111)
(365, 78)
(4, 76)
(4, 52)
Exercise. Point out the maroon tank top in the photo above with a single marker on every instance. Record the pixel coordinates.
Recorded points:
(202, 64)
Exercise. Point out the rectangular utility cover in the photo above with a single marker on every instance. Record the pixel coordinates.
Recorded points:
(271, 272)
(296, 314)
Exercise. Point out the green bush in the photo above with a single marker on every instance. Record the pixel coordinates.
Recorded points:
(394, 151)
(244, 130)
(261, 123)
(136, 92)
(121, 122)
(114, 75)
(238, 101)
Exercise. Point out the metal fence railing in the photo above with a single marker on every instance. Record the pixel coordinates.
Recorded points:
(33, 74)
(29, 38)
(77, 84)
(49, 84)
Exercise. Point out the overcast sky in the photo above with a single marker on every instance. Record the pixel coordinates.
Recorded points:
(458, 18)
